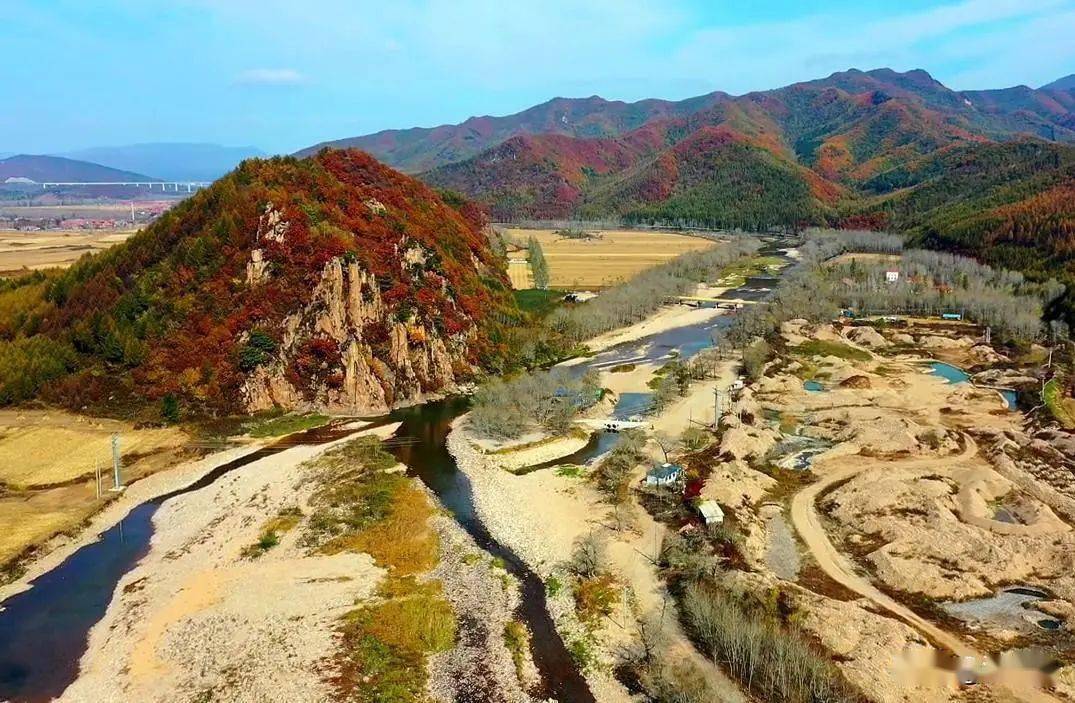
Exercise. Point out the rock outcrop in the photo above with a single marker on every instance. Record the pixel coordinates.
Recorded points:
(347, 308)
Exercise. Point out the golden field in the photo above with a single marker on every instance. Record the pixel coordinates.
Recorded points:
(28, 251)
(47, 466)
(598, 263)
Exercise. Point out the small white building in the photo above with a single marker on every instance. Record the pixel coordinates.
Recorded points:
(664, 475)
(711, 512)
(892, 276)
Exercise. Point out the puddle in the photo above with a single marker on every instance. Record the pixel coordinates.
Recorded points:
(798, 451)
(1010, 609)
(813, 386)
(631, 405)
(1003, 514)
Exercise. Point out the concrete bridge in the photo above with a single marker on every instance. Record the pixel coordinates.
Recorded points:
(190, 186)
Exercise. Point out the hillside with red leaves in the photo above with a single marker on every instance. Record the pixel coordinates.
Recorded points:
(326, 282)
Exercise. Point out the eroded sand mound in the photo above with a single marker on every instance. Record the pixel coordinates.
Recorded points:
(856, 381)
(935, 531)
(867, 337)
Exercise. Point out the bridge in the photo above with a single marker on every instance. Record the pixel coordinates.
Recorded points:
(720, 302)
(190, 186)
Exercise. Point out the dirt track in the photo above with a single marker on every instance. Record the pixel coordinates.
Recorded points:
(807, 523)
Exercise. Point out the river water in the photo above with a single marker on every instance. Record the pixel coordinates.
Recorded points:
(44, 630)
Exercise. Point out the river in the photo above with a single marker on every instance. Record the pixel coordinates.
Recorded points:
(44, 630)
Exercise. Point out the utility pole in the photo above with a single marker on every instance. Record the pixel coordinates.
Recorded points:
(718, 406)
(118, 484)
(97, 476)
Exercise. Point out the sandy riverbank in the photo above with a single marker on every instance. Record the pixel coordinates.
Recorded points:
(195, 618)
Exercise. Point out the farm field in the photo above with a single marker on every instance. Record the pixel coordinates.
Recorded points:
(28, 251)
(48, 460)
(602, 262)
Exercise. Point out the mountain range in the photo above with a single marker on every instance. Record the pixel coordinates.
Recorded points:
(990, 173)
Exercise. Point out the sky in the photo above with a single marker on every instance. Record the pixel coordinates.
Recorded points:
(282, 75)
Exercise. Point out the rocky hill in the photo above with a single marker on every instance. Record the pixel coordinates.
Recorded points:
(332, 282)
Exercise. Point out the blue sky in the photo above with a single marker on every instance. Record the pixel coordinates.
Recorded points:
(281, 74)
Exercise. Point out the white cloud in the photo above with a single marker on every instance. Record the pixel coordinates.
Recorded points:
(270, 76)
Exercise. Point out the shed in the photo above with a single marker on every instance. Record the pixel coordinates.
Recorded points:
(664, 475)
(711, 512)
(892, 276)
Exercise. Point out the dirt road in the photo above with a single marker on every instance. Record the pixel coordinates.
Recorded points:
(807, 523)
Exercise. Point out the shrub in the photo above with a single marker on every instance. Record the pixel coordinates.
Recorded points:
(588, 557)
(596, 598)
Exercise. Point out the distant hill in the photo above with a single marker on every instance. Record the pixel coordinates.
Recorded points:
(170, 161)
(42, 169)
(1065, 83)
(419, 149)
(333, 282)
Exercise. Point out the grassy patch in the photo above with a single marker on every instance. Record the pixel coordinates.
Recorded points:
(553, 585)
(359, 507)
(622, 368)
(284, 424)
(385, 645)
(737, 273)
(571, 470)
(1053, 396)
(538, 303)
(822, 347)
(271, 532)
(517, 640)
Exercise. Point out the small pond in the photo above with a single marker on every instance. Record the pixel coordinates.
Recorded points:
(813, 386)
(1011, 398)
(952, 374)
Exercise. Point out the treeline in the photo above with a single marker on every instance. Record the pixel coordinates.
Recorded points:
(774, 662)
(930, 283)
(639, 297)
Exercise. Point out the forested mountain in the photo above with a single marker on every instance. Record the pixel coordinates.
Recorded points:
(419, 149)
(773, 158)
(987, 173)
(330, 282)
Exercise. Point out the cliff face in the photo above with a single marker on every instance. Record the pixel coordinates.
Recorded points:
(345, 308)
(328, 283)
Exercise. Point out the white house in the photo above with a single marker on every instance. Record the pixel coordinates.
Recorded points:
(664, 475)
(892, 276)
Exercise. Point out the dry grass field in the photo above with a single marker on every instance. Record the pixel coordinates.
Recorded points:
(47, 464)
(44, 448)
(598, 263)
(28, 251)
